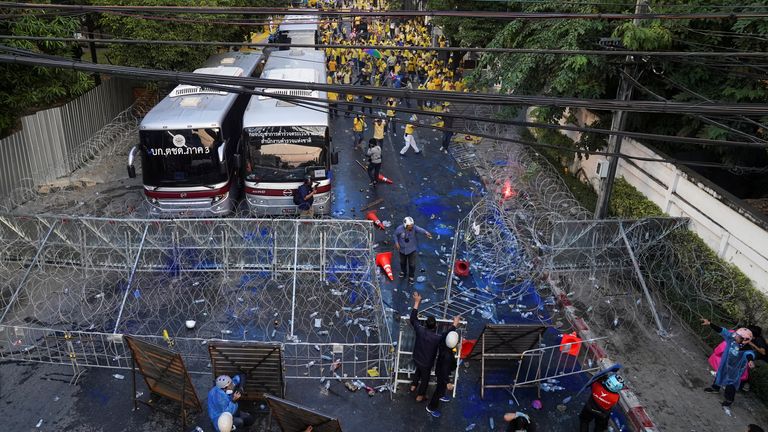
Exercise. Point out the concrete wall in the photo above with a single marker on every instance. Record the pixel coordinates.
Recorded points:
(738, 234)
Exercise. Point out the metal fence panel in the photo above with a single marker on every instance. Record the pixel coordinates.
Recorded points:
(52, 142)
(14, 164)
(311, 285)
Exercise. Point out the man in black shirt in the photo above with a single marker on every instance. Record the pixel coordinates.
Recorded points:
(446, 362)
(424, 348)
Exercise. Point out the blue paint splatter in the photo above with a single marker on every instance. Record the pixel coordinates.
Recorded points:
(424, 199)
(461, 192)
(441, 229)
(433, 209)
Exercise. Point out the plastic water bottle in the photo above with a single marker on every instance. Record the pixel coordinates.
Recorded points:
(198, 429)
(470, 427)
(546, 387)
(490, 423)
(118, 376)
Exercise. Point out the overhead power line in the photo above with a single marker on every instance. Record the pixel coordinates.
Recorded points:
(609, 53)
(320, 106)
(455, 97)
(202, 79)
(395, 13)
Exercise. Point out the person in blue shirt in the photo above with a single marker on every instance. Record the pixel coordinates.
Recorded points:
(223, 398)
(306, 199)
(407, 244)
(737, 356)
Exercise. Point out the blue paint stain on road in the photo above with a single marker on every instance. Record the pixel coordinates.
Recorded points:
(462, 192)
(425, 199)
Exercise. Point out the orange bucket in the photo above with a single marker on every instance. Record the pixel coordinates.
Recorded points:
(570, 344)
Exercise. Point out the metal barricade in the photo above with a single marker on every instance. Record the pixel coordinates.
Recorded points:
(404, 367)
(541, 364)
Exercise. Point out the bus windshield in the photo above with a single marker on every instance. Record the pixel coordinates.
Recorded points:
(283, 153)
(186, 157)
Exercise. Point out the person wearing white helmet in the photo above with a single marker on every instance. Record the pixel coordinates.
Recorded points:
(445, 363)
(519, 422)
(737, 356)
(407, 244)
(222, 398)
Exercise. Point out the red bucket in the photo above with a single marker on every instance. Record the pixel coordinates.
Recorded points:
(466, 347)
(461, 268)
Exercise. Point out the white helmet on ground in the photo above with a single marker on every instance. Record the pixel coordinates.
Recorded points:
(452, 339)
(225, 422)
(408, 221)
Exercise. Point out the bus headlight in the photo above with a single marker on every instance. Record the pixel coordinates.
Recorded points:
(154, 201)
(221, 197)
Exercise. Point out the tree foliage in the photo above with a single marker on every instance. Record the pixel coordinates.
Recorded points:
(728, 80)
(468, 32)
(24, 88)
(192, 27)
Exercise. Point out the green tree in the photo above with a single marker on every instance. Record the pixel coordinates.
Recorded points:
(731, 80)
(192, 27)
(26, 89)
(468, 32)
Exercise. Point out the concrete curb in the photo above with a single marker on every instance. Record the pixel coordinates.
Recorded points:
(629, 402)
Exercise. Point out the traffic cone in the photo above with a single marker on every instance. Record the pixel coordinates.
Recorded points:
(384, 179)
(371, 216)
(385, 261)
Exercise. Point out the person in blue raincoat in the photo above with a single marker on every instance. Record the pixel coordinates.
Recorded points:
(223, 398)
(737, 356)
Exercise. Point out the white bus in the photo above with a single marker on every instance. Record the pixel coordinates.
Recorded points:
(188, 144)
(283, 142)
(299, 29)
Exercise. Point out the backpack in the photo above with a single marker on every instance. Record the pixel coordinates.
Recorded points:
(297, 197)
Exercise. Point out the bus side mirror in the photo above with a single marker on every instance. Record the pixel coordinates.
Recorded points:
(131, 168)
(334, 158)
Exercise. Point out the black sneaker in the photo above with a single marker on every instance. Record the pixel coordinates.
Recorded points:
(710, 390)
(726, 403)
(410, 280)
(401, 274)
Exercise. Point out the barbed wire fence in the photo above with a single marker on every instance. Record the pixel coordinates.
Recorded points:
(628, 276)
(95, 158)
(311, 285)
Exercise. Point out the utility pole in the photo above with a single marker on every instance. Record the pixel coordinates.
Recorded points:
(89, 25)
(617, 124)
